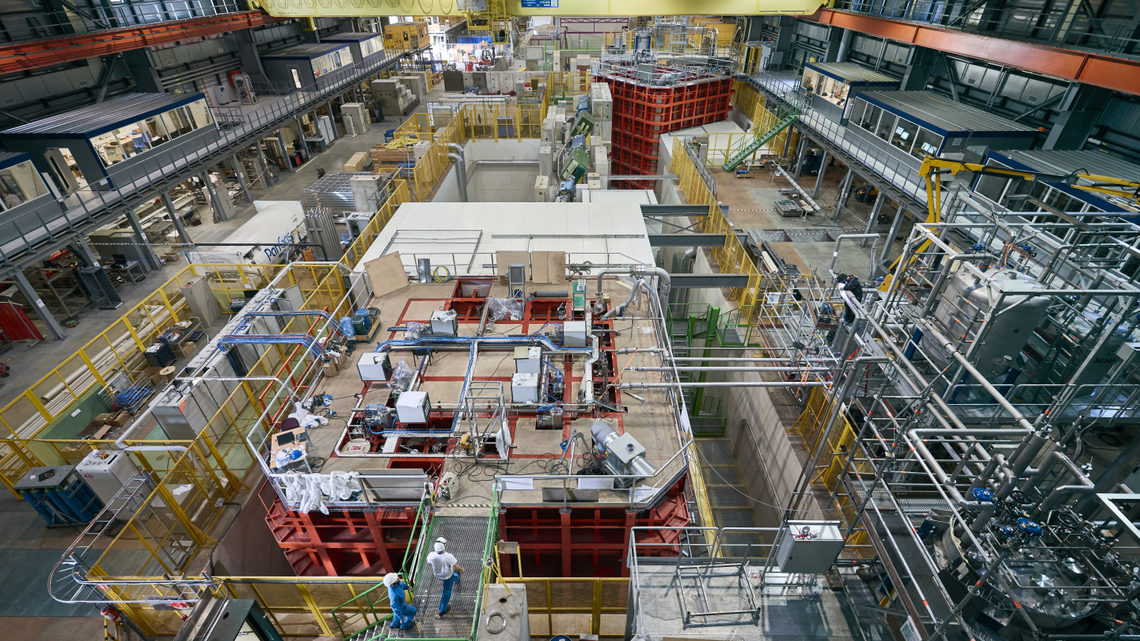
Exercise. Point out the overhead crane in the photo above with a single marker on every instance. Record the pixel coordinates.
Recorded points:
(584, 8)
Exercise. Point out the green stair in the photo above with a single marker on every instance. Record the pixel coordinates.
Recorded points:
(757, 142)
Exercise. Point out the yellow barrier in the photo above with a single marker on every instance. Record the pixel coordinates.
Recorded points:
(731, 257)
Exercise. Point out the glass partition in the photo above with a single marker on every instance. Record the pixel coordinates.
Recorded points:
(900, 132)
(19, 184)
(904, 134)
(122, 143)
(371, 46)
(926, 143)
(330, 62)
(886, 126)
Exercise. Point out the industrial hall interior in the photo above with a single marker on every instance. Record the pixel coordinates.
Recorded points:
(569, 320)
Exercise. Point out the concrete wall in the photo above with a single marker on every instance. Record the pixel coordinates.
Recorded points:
(488, 182)
(757, 419)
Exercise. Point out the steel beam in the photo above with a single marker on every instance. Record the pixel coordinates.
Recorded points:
(53, 51)
(37, 303)
(686, 240)
(1087, 67)
(707, 281)
(674, 210)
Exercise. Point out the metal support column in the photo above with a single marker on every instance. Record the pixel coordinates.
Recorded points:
(38, 304)
(823, 160)
(895, 224)
(332, 119)
(175, 217)
(284, 154)
(239, 169)
(150, 259)
(215, 200)
(86, 255)
(801, 155)
(874, 216)
(301, 136)
(844, 192)
(267, 176)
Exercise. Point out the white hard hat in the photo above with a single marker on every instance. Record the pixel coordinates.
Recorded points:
(440, 545)
(391, 579)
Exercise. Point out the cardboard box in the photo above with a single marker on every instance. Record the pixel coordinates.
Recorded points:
(188, 348)
(120, 419)
(330, 368)
(357, 162)
(103, 418)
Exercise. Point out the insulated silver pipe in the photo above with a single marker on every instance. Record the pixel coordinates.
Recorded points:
(724, 384)
(696, 368)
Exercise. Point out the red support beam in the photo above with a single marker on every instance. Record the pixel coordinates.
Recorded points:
(53, 51)
(1100, 70)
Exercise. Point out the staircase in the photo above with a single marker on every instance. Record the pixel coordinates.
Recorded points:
(752, 145)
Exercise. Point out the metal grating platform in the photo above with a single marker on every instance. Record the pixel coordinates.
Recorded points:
(466, 536)
(807, 613)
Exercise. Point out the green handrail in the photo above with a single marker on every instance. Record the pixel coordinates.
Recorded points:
(365, 598)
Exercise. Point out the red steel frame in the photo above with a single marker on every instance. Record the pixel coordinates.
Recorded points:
(570, 541)
(24, 56)
(642, 113)
(1100, 70)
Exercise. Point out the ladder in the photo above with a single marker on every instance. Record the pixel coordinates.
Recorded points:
(758, 141)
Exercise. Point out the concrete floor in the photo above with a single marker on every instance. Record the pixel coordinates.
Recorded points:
(28, 550)
(752, 206)
(28, 363)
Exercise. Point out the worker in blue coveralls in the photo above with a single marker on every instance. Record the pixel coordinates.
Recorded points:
(403, 612)
(444, 568)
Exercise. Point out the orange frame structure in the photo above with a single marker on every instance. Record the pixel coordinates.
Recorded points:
(1100, 70)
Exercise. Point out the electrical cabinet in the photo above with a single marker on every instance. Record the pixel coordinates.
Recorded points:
(413, 407)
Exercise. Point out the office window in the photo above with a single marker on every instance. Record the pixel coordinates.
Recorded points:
(926, 143)
(904, 134)
(886, 128)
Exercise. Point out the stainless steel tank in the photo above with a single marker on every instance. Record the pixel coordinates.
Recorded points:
(1017, 307)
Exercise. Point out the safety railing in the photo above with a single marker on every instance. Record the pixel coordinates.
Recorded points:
(23, 26)
(731, 257)
(900, 170)
(92, 205)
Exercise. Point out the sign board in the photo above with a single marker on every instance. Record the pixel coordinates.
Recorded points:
(539, 4)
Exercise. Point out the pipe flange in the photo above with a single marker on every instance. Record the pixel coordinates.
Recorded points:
(491, 617)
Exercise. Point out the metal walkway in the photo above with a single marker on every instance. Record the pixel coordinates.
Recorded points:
(760, 139)
(239, 126)
(467, 539)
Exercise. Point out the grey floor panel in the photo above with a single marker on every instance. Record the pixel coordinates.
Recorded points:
(23, 586)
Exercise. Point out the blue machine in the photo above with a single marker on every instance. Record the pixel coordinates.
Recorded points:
(59, 495)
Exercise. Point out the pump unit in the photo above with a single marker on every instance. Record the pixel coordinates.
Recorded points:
(624, 455)
(374, 366)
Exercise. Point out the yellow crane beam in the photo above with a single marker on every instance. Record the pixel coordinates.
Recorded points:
(931, 168)
(584, 8)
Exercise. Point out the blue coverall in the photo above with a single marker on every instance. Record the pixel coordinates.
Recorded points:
(402, 611)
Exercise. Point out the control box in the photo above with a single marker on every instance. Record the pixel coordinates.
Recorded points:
(528, 360)
(574, 334)
(524, 387)
(413, 407)
(374, 366)
(809, 547)
(444, 323)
